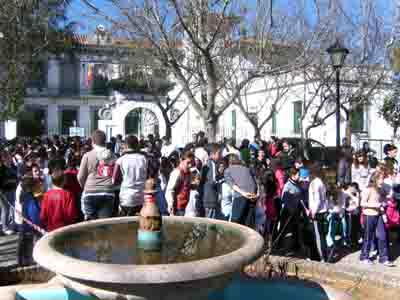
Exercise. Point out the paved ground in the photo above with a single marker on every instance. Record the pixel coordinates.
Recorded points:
(353, 259)
(8, 251)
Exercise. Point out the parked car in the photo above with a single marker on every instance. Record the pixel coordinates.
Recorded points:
(314, 151)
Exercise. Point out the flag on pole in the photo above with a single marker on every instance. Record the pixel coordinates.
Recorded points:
(89, 75)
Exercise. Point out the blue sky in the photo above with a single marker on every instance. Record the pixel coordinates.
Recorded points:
(80, 13)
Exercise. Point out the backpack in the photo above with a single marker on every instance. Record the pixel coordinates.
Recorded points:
(105, 169)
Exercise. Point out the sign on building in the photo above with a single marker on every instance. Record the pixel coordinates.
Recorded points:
(77, 131)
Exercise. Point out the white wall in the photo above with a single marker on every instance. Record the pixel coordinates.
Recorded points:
(326, 134)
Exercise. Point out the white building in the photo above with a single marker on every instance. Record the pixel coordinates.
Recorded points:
(66, 98)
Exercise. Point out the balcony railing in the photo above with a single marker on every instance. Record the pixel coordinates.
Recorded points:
(62, 92)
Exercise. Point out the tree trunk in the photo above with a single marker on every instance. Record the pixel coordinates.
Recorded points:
(304, 138)
(211, 130)
(168, 125)
(257, 130)
(307, 133)
(348, 128)
(168, 130)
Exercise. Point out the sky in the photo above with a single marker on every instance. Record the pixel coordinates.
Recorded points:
(81, 14)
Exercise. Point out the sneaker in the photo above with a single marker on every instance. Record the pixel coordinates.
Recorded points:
(388, 263)
(8, 232)
(367, 262)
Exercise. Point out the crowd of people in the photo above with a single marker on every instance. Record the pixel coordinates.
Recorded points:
(48, 183)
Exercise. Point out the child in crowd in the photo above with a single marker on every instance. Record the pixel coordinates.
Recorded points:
(58, 206)
(270, 193)
(373, 202)
(191, 209)
(28, 235)
(336, 216)
(351, 199)
(71, 183)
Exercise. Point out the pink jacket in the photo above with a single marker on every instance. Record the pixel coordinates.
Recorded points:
(270, 208)
(392, 213)
(280, 177)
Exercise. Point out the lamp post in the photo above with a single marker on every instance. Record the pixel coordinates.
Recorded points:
(337, 55)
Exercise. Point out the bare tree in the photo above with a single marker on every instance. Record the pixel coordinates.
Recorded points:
(170, 112)
(207, 44)
(363, 75)
(272, 92)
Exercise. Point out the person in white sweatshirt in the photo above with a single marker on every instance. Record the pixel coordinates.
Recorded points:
(318, 208)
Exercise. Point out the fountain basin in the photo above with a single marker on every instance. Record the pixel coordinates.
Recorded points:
(198, 256)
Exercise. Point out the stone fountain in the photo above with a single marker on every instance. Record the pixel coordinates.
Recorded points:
(102, 260)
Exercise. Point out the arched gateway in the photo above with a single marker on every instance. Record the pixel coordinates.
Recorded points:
(139, 118)
(141, 122)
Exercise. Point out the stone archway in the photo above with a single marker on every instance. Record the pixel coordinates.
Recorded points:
(142, 122)
(151, 118)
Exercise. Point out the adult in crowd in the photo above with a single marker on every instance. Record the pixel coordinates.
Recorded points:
(131, 172)
(118, 145)
(178, 189)
(95, 177)
(200, 151)
(287, 156)
(292, 199)
(390, 151)
(344, 168)
(318, 208)
(242, 182)
(8, 184)
(209, 192)
(167, 147)
(360, 170)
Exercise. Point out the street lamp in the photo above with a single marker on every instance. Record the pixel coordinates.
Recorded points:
(338, 55)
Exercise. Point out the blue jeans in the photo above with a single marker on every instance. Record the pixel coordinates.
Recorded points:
(240, 210)
(180, 212)
(5, 210)
(333, 220)
(213, 213)
(375, 228)
(97, 206)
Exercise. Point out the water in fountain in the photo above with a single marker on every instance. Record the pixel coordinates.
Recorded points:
(117, 244)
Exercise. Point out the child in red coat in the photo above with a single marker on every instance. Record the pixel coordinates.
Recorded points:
(58, 207)
(72, 185)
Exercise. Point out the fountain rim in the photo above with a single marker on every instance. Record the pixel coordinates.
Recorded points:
(73, 268)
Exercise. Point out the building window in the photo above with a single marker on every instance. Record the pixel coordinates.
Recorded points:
(358, 123)
(94, 118)
(32, 122)
(297, 113)
(69, 118)
(274, 122)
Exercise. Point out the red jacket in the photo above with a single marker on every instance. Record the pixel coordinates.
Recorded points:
(280, 177)
(71, 182)
(58, 209)
(273, 150)
(183, 190)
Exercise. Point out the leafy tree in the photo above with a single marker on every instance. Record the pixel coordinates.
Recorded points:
(29, 30)
(390, 112)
